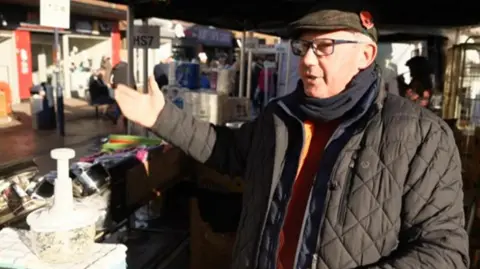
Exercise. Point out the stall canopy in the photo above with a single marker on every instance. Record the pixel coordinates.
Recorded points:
(268, 14)
(210, 37)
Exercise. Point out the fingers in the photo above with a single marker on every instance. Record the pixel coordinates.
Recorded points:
(125, 91)
(124, 95)
(153, 86)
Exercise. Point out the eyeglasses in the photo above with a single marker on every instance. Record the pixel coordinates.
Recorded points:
(320, 46)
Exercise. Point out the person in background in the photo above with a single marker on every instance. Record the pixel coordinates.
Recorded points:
(99, 93)
(419, 90)
(120, 76)
(160, 76)
(204, 80)
(222, 60)
(266, 87)
(106, 65)
(99, 88)
(256, 70)
(339, 174)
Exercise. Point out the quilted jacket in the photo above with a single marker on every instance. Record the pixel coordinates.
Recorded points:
(390, 195)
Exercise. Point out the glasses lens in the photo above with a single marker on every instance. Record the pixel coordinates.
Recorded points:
(300, 47)
(323, 46)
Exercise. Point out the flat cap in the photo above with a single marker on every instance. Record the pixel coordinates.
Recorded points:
(331, 18)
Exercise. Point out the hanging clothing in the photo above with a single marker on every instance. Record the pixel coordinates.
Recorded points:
(266, 74)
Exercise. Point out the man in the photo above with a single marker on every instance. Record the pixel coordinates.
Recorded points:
(338, 174)
(420, 88)
(256, 70)
(119, 75)
(106, 65)
(160, 75)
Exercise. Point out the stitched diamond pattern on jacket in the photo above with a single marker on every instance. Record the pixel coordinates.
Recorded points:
(372, 215)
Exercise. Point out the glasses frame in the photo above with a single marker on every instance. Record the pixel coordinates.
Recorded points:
(312, 45)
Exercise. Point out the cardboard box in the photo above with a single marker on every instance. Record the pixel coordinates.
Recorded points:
(206, 105)
(238, 109)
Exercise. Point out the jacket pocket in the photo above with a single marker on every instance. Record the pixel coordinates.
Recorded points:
(346, 190)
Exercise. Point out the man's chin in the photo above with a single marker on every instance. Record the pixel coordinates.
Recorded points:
(313, 91)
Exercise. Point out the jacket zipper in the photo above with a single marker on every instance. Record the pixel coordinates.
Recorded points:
(314, 261)
(315, 255)
(277, 249)
(291, 188)
(295, 261)
(336, 133)
(342, 211)
(259, 239)
(314, 264)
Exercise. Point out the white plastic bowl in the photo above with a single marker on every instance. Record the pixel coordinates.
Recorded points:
(62, 241)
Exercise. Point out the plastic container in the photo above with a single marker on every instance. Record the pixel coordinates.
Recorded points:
(70, 241)
(64, 232)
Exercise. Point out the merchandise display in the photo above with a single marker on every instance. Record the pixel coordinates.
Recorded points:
(175, 94)
(206, 105)
(68, 208)
(225, 81)
(92, 202)
(187, 75)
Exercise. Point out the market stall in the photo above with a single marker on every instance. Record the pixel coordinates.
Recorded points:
(119, 184)
(143, 198)
(243, 16)
(131, 178)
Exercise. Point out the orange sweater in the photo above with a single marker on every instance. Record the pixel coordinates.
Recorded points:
(316, 138)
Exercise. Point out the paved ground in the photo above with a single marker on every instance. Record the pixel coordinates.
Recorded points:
(18, 140)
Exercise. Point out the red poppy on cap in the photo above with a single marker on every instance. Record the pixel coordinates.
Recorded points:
(367, 19)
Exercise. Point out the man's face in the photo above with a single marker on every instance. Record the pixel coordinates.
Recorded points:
(325, 76)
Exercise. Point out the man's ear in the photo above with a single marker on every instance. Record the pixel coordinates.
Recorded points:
(368, 55)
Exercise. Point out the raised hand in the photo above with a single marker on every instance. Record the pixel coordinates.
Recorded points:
(139, 107)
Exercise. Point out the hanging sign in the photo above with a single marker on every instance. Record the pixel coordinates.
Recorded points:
(55, 13)
(146, 36)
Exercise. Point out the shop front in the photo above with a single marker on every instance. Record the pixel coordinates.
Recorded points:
(88, 42)
(15, 67)
(8, 65)
(29, 52)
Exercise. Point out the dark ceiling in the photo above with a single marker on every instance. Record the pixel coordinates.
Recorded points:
(264, 14)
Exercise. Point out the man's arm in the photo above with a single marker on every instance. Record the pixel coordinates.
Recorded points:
(432, 234)
(222, 148)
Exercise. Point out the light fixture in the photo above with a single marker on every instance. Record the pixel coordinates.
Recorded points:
(3, 20)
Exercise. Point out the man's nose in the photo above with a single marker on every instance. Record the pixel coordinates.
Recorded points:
(310, 58)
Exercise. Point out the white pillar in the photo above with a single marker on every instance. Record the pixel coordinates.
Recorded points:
(67, 87)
